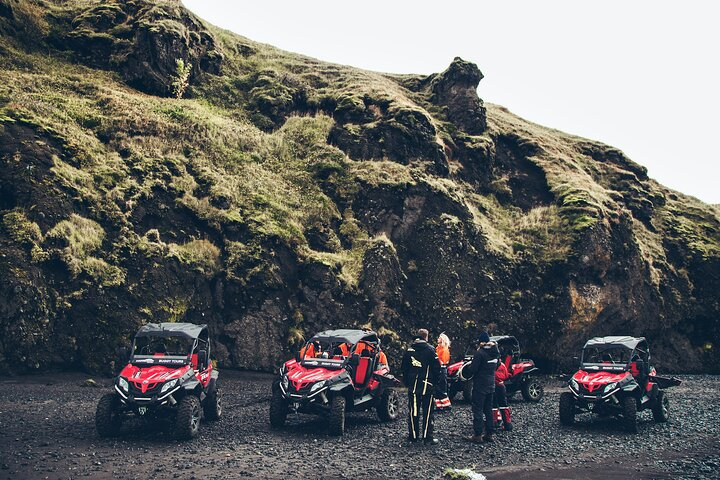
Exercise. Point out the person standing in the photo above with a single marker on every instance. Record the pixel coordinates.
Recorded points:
(482, 368)
(502, 374)
(442, 402)
(421, 368)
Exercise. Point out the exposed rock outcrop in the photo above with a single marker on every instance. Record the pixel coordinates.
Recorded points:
(456, 89)
(286, 196)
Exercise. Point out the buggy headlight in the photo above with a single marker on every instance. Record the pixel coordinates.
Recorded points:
(610, 386)
(574, 384)
(168, 386)
(285, 382)
(123, 384)
(318, 386)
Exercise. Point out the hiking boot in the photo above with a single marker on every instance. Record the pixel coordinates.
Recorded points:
(431, 441)
(476, 438)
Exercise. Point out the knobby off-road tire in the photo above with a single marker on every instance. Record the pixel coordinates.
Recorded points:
(567, 408)
(629, 414)
(467, 390)
(278, 410)
(336, 421)
(187, 421)
(532, 390)
(389, 406)
(107, 418)
(213, 406)
(661, 408)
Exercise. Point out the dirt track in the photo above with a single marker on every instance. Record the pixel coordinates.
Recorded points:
(48, 432)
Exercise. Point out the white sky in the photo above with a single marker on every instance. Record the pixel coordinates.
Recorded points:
(643, 76)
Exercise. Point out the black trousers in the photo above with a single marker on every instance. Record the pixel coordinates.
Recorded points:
(482, 404)
(421, 406)
(442, 390)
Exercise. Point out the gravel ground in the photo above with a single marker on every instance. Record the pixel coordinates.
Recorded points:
(47, 425)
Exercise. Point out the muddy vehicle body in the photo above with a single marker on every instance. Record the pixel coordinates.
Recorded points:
(168, 376)
(616, 379)
(337, 371)
(522, 372)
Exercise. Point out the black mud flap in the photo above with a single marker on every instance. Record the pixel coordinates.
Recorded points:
(665, 382)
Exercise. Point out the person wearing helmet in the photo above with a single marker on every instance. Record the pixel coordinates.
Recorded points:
(442, 402)
(482, 369)
(421, 368)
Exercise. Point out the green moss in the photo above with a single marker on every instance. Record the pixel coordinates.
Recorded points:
(21, 229)
(201, 255)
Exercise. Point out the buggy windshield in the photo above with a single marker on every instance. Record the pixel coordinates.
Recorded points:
(326, 349)
(606, 357)
(173, 350)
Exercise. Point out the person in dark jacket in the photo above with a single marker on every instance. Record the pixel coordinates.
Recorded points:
(482, 368)
(420, 369)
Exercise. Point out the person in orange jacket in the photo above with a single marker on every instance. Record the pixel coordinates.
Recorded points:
(502, 374)
(442, 402)
(381, 357)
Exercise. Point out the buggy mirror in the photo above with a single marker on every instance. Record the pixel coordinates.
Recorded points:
(202, 359)
(123, 354)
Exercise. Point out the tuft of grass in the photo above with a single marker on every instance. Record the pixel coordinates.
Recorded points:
(76, 240)
(201, 255)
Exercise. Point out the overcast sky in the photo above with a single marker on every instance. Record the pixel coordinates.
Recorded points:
(643, 76)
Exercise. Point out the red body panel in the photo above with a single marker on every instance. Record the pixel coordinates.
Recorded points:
(148, 377)
(594, 380)
(453, 369)
(301, 376)
(145, 378)
(520, 367)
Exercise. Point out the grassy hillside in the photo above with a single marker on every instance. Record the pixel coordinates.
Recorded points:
(277, 195)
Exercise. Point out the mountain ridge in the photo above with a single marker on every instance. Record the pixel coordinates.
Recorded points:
(284, 195)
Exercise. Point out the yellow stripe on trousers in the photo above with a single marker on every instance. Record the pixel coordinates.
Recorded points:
(427, 420)
(414, 410)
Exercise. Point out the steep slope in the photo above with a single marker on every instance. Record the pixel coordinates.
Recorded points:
(281, 195)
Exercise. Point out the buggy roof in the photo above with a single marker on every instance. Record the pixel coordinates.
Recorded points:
(503, 338)
(167, 329)
(346, 335)
(627, 342)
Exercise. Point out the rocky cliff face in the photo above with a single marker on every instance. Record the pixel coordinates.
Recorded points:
(284, 195)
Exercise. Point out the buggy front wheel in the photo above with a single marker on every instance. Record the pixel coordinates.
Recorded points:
(532, 390)
(336, 421)
(389, 405)
(107, 417)
(661, 408)
(629, 414)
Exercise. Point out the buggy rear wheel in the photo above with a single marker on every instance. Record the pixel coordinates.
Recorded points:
(661, 408)
(107, 418)
(467, 391)
(336, 421)
(389, 405)
(532, 390)
(629, 414)
(213, 406)
(567, 408)
(278, 410)
(187, 422)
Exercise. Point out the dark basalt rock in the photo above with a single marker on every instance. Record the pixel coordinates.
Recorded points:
(403, 135)
(456, 89)
(143, 42)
